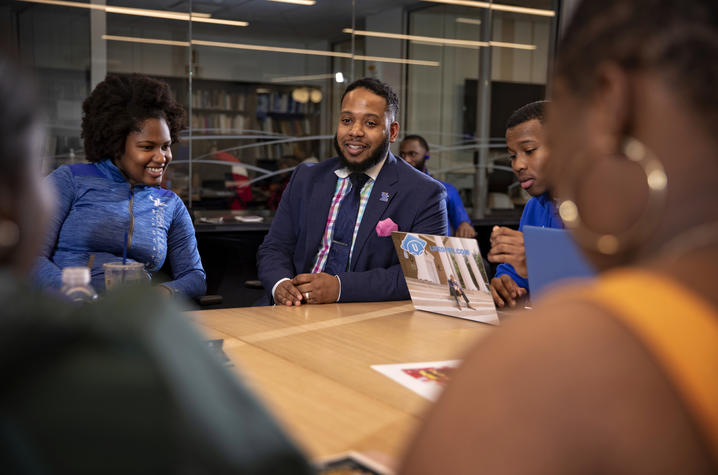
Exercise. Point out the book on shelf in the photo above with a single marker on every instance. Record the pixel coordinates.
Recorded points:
(235, 122)
(218, 99)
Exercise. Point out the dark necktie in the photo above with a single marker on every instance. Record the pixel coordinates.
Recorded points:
(338, 259)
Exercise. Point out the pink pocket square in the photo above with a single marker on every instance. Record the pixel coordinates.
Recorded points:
(385, 227)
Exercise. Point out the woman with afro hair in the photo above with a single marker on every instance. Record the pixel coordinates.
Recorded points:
(128, 126)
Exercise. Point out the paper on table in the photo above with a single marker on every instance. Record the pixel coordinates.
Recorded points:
(351, 463)
(249, 219)
(427, 379)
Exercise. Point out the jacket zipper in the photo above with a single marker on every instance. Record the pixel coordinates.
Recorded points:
(132, 219)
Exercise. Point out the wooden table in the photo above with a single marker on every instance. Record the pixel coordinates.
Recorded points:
(311, 367)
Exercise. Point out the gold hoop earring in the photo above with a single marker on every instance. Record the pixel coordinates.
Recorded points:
(9, 234)
(657, 183)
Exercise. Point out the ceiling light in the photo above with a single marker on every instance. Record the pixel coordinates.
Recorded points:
(427, 39)
(275, 49)
(314, 52)
(301, 95)
(469, 21)
(311, 77)
(166, 14)
(498, 7)
(382, 59)
(151, 41)
(502, 44)
(440, 41)
(296, 2)
(219, 21)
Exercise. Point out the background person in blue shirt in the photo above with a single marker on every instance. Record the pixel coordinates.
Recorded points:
(528, 152)
(414, 149)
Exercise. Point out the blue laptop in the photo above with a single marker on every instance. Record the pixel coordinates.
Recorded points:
(552, 256)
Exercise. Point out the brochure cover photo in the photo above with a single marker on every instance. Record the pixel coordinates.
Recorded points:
(445, 275)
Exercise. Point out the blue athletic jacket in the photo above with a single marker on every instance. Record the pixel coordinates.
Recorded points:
(96, 208)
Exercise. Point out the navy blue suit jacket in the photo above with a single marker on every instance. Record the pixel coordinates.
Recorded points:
(414, 201)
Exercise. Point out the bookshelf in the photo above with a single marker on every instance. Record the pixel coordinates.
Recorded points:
(255, 123)
(237, 110)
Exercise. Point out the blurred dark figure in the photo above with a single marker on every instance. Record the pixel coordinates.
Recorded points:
(239, 179)
(123, 386)
(616, 376)
(278, 183)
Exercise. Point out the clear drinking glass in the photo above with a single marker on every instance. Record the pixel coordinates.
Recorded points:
(117, 273)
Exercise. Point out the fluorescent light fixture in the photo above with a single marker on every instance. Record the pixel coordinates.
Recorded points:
(383, 59)
(440, 41)
(219, 21)
(274, 49)
(426, 39)
(296, 2)
(468, 21)
(498, 7)
(169, 15)
(314, 52)
(311, 77)
(502, 44)
(149, 41)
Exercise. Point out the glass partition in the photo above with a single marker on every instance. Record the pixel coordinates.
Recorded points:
(261, 82)
(493, 59)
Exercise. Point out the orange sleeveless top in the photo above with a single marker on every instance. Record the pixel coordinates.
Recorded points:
(679, 328)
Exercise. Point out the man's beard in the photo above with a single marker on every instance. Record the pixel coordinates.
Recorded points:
(376, 157)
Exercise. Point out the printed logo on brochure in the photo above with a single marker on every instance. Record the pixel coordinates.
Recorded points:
(413, 245)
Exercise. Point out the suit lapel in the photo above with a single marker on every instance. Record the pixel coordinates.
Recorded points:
(375, 206)
(317, 212)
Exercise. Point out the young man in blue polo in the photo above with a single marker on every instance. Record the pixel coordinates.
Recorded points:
(528, 152)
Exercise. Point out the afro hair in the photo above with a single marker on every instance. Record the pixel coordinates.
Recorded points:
(118, 106)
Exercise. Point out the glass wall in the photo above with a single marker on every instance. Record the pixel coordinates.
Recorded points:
(261, 82)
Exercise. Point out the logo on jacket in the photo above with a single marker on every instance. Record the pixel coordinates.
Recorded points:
(158, 203)
(384, 196)
(413, 245)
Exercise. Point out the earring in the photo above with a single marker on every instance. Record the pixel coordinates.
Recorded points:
(657, 182)
(9, 233)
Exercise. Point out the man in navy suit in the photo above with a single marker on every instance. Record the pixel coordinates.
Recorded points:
(310, 254)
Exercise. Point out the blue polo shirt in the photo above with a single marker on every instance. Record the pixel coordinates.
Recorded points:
(539, 211)
(455, 210)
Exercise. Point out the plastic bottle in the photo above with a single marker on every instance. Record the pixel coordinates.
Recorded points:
(76, 285)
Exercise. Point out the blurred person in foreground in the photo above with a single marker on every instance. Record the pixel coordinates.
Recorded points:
(122, 386)
(619, 375)
(526, 143)
(115, 204)
(414, 149)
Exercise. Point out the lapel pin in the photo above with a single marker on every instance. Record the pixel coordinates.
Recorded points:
(384, 196)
